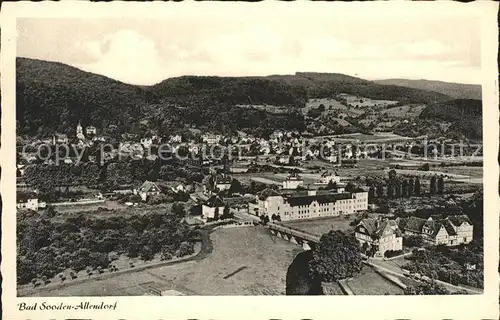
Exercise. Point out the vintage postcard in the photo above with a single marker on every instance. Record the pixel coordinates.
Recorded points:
(205, 160)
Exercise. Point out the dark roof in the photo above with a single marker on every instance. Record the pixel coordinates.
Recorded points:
(449, 228)
(264, 194)
(413, 224)
(457, 220)
(376, 228)
(320, 198)
(214, 201)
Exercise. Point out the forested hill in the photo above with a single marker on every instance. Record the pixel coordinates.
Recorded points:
(53, 97)
(464, 116)
(454, 90)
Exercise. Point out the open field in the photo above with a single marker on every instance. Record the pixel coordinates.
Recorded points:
(320, 226)
(244, 261)
(108, 204)
(370, 282)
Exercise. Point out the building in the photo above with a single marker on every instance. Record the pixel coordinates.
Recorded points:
(212, 208)
(211, 138)
(29, 202)
(452, 231)
(179, 187)
(293, 181)
(327, 177)
(91, 130)
(222, 182)
(308, 204)
(148, 189)
(59, 138)
(380, 235)
(79, 132)
(176, 138)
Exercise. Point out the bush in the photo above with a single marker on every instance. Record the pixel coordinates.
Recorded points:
(392, 253)
(185, 249)
(413, 241)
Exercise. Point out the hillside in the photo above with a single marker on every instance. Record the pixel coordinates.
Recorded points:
(456, 118)
(53, 97)
(454, 90)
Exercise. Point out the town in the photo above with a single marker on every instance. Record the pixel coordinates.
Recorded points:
(413, 206)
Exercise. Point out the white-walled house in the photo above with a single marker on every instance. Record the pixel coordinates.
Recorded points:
(148, 189)
(381, 235)
(326, 177)
(452, 231)
(29, 202)
(212, 207)
(293, 181)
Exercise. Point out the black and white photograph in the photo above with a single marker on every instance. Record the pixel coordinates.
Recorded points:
(334, 155)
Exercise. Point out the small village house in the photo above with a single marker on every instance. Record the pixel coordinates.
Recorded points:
(148, 189)
(451, 231)
(212, 208)
(29, 201)
(379, 235)
(293, 181)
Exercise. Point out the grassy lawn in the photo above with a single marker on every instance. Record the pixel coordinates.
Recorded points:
(371, 283)
(244, 261)
(320, 226)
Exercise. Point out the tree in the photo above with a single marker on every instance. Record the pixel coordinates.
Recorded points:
(337, 257)
(178, 209)
(413, 241)
(417, 187)
(397, 187)
(332, 185)
(431, 288)
(390, 189)
(440, 185)
(392, 174)
(380, 190)
(411, 187)
(371, 194)
(406, 191)
(236, 187)
(433, 186)
(216, 214)
(350, 187)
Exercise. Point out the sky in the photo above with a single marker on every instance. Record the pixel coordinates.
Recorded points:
(146, 51)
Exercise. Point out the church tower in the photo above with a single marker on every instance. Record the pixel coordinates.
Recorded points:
(79, 132)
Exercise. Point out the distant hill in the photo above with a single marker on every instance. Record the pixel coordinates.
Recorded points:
(53, 97)
(454, 90)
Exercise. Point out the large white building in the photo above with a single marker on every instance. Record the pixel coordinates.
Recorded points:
(308, 204)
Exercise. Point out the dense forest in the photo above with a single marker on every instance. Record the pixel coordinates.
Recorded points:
(53, 97)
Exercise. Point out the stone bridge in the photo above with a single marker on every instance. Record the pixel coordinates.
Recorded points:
(306, 240)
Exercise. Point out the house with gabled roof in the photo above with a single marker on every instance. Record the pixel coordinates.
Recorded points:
(451, 231)
(379, 235)
(147, 189)
(213, 207)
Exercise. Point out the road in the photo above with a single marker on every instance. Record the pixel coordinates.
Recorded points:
(447, 285)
